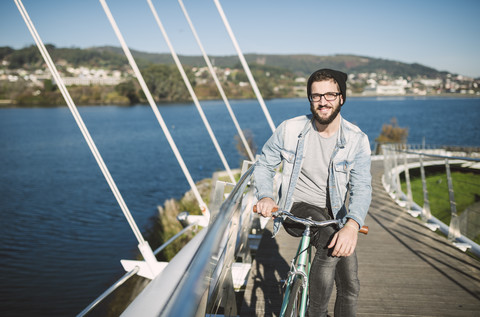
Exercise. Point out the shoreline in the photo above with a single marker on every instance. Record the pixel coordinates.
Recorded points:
(9, 104)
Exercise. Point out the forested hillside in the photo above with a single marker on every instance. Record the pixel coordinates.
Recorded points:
(102, 75)
(301, 65)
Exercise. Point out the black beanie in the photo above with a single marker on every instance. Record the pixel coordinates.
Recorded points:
(340, 78)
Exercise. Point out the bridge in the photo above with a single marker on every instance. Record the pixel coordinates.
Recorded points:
(405, 269)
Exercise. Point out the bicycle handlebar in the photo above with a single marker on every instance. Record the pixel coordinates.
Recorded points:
(310, 222)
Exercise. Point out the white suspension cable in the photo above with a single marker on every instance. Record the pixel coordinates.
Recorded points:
(79, 121)
(192, 93)
(217, 82)
(245, 66)
(154, 107)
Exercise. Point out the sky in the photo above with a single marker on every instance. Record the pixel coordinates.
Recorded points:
(441, 34)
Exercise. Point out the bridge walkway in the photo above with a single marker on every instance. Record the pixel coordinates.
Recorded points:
(405, 269)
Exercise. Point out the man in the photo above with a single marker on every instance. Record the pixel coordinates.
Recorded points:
(324, 158)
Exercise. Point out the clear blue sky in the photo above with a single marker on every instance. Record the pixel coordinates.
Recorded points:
(441, 34)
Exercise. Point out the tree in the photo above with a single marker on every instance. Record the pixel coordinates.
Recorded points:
(29, 56)
(128, 89)
(392, 133)
(49, 86)
(241, 147)
(165, 82)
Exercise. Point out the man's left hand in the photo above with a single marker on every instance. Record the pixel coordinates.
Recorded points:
(345, 240)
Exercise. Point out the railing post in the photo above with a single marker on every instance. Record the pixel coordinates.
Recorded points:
(426, 214)
(385, 167)
(218, 197)
(246, 165)
(391, 179)
(409, 185)
(388, 169)
(396, 181)
(454, 228)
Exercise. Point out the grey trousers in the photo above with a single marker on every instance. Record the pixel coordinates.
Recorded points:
(327, 271)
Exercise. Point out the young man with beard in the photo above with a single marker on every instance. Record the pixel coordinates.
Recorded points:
(324, 158)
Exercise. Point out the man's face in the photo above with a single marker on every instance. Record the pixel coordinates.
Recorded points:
(325, 111)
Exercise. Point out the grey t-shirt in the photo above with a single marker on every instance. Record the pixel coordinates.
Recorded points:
(311, 185)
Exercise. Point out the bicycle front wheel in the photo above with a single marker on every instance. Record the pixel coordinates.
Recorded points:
(295, 299)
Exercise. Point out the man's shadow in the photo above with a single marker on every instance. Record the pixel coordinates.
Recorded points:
(268, 274)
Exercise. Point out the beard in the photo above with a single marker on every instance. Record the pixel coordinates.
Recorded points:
(328, 119)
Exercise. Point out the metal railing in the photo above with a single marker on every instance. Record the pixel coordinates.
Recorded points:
(401, 160)
(233, 217)
(132, 272)
(109, 291)
(199, 279)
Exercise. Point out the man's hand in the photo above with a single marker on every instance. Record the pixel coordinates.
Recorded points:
(265, 206)
(345, 240)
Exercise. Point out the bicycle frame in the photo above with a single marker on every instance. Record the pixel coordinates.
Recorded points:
(300, 268)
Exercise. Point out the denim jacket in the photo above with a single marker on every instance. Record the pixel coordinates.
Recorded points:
(349, 168)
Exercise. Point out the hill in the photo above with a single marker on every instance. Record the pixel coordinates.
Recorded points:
(102, 75)
(300, 65)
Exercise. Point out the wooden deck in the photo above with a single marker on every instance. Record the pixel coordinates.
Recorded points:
(405, 269)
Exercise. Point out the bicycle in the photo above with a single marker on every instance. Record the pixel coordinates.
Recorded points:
(295, 298)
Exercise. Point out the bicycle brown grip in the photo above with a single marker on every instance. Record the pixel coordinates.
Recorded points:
(255, 209)
(363, 229)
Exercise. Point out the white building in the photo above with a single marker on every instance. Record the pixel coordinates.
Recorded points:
(87, 81)
(384, 90)
(431, 82)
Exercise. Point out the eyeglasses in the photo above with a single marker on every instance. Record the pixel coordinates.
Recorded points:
(329, 96)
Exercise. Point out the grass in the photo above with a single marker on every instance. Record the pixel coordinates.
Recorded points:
(466, 189)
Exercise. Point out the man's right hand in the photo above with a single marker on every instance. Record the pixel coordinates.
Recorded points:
(265, 206)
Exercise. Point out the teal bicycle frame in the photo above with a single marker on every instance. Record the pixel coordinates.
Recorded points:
(300, 268)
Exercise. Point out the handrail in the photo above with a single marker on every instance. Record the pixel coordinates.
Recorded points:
(391, 181)
(202, 266)
(203, 270)
(203, 254)
(110, 290)
(134, 271)
(175, 237)
(464, 158)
